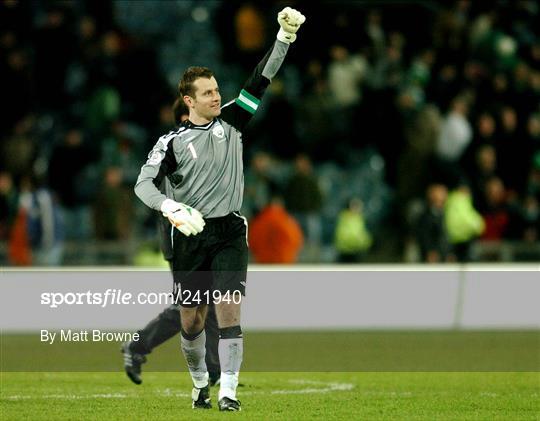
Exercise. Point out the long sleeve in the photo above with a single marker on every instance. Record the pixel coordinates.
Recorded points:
(239, 111)
(161, 162)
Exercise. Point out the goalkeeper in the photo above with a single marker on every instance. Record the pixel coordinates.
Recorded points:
(202, 161)
(167, 324)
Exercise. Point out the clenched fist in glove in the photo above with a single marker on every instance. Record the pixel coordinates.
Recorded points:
(186, 219)
(290, 20)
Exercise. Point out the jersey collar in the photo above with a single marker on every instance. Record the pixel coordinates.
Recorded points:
(190, 125)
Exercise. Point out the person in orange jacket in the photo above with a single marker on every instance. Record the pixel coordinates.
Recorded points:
(274, 235)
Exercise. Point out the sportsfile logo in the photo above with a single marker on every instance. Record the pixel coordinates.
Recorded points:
(118, 297)
(103, 299)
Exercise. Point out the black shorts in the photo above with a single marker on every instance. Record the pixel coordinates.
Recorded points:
(211, 266)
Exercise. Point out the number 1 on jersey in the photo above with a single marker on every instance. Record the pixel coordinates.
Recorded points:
(192, 150)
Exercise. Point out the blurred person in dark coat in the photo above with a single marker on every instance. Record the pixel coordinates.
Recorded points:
(431, 230)
(67, 167)
(303, 198)
(8, 204)
(113, 207)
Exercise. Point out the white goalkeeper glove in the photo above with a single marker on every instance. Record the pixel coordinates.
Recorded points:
(290, 20)
(186, 219)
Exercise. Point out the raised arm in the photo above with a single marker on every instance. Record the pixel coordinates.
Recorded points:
(239, 111)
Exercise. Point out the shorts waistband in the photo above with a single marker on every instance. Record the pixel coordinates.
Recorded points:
(218, 219)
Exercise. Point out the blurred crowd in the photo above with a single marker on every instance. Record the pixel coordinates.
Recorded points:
(395, 131)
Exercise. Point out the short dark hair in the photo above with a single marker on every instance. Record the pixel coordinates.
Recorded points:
(179, 109)
(185, 87)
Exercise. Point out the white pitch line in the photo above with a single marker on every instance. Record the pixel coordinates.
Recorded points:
(307, 391)
(317, 382)
(327, 387)
(489, 394)
(73, 397)
(165, 393)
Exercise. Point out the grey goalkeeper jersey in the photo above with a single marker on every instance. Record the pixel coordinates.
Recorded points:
(203, 164)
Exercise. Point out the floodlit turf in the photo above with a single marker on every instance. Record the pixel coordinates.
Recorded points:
(304, 351)
(340, 375)
(283, 396)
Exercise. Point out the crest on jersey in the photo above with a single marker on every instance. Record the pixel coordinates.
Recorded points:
(218, 131)
(155, 157)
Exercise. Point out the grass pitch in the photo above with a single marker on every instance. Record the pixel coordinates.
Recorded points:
(281, 396)
(288, 376)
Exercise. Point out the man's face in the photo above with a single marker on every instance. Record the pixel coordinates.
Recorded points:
(206, 103)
